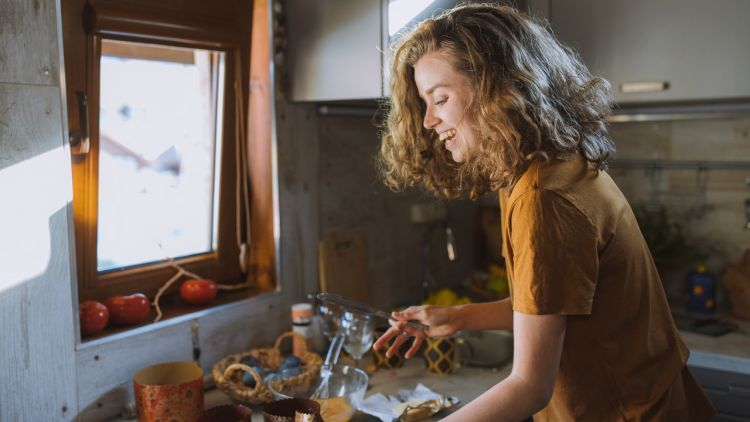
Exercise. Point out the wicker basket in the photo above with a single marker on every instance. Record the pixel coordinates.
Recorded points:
(228, 372)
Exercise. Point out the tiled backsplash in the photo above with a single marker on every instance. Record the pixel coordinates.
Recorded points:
(708, 204)
(351, 197)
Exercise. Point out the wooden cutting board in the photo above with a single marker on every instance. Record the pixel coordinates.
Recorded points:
(342, 263)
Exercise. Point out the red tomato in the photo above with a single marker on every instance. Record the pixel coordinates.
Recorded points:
(128, 310)
(198, 292)
(94, 317)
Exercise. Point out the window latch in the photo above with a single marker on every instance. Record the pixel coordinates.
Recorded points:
(79, 139)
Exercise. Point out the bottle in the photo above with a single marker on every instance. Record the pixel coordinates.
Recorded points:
(701, 286)
(301, 324)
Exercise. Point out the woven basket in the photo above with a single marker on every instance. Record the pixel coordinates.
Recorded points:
(227, 372)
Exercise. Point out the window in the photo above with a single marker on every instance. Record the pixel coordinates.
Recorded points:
(160, 114)
(159, 90)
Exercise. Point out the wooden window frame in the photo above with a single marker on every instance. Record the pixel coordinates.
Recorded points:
(171, 23)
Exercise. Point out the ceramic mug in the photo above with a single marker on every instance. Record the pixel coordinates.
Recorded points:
(169, 391)
(379, 358)
(444, 355)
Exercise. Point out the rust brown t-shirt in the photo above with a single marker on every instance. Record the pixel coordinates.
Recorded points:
(573, 247)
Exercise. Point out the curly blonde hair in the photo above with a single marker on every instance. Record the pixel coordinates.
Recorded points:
(533, 100)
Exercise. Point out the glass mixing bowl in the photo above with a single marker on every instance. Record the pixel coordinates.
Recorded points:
(346, 389)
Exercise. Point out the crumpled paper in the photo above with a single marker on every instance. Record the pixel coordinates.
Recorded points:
(407, 405)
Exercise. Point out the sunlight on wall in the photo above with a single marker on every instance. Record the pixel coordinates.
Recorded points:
(33, 191)
(400, 12)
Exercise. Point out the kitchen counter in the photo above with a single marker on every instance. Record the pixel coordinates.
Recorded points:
(466, 384)
(729, 352)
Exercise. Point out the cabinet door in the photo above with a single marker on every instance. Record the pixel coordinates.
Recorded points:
(335, 49)
(401, 16)
(729, 392)
(697, 48)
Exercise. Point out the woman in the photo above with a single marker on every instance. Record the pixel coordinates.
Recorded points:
(485, 99)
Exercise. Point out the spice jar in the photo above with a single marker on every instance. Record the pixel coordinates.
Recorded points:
(301, 324)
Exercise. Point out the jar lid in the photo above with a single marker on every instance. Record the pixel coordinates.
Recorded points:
(301, 312)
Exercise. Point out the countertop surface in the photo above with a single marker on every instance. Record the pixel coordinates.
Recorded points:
(465, 384)
(728, 352)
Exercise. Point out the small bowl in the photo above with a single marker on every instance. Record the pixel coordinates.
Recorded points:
(346, 387)
(227, 413)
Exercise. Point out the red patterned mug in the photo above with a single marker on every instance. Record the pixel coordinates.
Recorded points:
(169, 391)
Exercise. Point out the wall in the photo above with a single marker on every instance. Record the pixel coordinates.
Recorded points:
(709, 205)
(37, 365)
(298, 185)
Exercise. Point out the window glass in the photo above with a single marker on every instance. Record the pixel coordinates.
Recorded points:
(159, 120)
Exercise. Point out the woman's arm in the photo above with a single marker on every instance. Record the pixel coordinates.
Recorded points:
(442, 321)
(487, 316)
(537, 347)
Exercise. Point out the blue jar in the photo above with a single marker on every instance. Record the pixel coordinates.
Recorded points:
(701, 286)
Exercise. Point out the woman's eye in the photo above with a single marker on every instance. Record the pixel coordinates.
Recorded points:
(441, 101)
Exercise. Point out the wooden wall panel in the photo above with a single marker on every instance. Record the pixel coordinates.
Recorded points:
(28, 46)
(37, 363)
(298, 191)
(37, 319)
(106, 368)
(29, 122)
(256, 323)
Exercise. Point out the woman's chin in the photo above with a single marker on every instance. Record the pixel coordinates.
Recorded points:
(457, 156)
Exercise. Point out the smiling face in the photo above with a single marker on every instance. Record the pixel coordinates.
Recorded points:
(447, 95)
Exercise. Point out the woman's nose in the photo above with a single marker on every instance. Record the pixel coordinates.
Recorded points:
(430, 120)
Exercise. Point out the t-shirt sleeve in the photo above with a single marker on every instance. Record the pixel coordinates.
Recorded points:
(554, 253)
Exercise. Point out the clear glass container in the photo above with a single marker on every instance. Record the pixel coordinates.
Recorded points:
(346, 390)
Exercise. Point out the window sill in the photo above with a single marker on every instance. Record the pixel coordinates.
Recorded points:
(174, 311)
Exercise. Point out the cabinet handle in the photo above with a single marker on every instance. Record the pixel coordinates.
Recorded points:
(643, 86)
(739, 390)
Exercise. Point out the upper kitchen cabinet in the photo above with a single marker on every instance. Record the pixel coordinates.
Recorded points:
(335, 49)
(660, 50)
(338, 49)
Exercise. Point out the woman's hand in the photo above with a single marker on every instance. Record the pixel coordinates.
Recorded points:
(441, 321)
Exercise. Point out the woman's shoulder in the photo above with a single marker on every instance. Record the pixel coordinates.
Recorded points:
(569, 183)
(556, 174)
